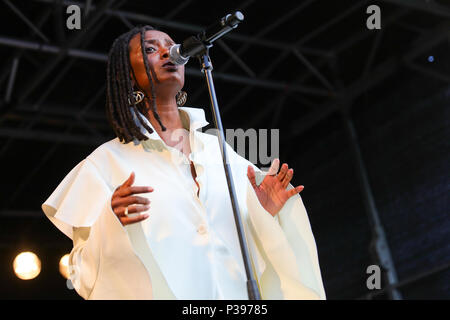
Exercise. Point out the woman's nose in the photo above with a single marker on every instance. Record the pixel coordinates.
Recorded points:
(165, 53)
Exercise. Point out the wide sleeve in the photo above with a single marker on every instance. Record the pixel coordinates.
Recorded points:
(283, 248)
(289, 248)
(79, 199)
(74, 208)
(102, 263)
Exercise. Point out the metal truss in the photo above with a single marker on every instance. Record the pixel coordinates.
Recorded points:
(424, 6)
(381, 72)
(294, 50)
(165, 22)
(260, 80)
(233, 78)
(85, 37)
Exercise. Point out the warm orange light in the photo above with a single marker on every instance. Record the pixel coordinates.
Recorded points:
(27, 265)
(64, 266)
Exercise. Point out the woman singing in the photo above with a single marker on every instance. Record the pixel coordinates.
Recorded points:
(149, 212)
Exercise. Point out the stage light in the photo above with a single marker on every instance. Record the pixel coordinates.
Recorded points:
(27, 265)
(64, 266)
(430, 58)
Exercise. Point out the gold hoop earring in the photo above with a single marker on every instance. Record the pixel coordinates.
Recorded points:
(137, 97)
(181, 98)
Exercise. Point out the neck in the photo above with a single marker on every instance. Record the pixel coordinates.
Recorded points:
(168, 112)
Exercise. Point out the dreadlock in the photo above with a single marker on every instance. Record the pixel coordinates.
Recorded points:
(119, 90)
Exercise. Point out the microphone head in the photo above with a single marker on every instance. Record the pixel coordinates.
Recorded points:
(234, 19)
(175, 55)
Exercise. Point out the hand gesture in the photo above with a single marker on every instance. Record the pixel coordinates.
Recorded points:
(272, 193)
(124, 197)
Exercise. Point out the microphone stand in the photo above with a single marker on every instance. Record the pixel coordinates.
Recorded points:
(206, 68)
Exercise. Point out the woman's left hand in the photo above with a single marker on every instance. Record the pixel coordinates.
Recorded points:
(272, 193)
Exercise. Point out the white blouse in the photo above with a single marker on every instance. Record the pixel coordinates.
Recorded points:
(188, 248)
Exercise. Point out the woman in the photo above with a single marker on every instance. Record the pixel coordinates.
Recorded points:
(149, 212)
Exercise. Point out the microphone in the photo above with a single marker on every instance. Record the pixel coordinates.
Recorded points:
(180, 53)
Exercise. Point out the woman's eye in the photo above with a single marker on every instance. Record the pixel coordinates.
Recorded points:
(150, 50)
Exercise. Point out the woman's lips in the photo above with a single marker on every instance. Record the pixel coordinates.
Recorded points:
(170, 66)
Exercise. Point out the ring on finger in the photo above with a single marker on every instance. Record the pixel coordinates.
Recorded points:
(126, 211)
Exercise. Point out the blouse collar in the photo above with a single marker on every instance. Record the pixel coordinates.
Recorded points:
(195, 117)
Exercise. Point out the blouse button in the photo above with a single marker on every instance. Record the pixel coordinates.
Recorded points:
(202, 229)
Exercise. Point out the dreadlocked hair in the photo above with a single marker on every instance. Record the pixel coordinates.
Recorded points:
(119, 89)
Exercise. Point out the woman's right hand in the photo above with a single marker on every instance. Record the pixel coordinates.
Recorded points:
(124, 196)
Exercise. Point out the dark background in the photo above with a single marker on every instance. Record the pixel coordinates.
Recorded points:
(364, 119)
